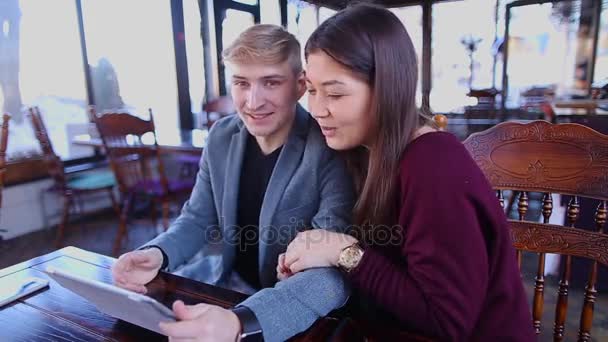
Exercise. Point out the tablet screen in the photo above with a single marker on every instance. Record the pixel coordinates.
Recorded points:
(112, 300)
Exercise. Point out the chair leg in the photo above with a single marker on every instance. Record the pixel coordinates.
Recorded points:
(67, 204)
(122, 225)
(154, 214)
(165, 205)
(114, 203)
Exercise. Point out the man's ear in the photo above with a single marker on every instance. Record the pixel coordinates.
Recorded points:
(301, 84)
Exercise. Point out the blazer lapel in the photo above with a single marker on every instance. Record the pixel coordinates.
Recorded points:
(287, 163)
(234, 161)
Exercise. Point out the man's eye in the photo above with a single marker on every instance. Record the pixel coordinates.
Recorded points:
(271, 83)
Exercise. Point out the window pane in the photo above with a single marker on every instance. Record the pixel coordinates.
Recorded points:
(270, 12)
(301, 22)
(325, 13)
(601, 63)
(549, 47)
(411, 17)
(41, 65)
(234, 23)
(130, 47)
(453, 39)
(195, 56)
(247, 2)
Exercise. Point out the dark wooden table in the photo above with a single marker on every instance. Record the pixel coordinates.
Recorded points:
(56, 314)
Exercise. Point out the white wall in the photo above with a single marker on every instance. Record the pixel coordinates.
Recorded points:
(29, 207)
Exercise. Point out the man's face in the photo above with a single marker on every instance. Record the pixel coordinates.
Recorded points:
(265, 96)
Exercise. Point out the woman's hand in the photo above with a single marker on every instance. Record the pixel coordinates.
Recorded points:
(312, 248)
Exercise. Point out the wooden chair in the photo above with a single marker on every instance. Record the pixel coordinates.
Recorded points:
(222, 106)
(441, 121)
(568, 159)
(71, 187)
(3, 145)
(138, 167)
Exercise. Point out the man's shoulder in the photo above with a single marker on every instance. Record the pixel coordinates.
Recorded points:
(224, 128)
(314, 137)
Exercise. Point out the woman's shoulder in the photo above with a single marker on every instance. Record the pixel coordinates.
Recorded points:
(438, 157)
(434, 149)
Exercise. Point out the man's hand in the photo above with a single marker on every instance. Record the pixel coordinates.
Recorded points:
(283, 272)
(313, 248)
(135, 269)
(202, 322)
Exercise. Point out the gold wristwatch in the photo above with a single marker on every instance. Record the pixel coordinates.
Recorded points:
(350, 257)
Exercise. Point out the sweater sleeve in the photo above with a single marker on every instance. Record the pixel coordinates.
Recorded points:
(438, 285)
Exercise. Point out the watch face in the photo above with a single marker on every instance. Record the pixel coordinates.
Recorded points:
(350, 257)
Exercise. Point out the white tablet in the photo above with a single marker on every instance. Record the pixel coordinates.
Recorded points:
(117, 302)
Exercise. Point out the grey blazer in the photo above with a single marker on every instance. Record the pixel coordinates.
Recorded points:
(309, 187)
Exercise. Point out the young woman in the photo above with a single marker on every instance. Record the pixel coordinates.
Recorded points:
(435, 250)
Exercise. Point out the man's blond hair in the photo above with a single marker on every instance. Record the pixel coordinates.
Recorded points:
(265, 44)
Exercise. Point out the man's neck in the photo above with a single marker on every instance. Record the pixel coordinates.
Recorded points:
(269, 144)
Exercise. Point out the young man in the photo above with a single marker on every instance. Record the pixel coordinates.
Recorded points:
(265, 175)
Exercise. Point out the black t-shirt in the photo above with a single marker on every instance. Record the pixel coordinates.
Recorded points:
(255, 174)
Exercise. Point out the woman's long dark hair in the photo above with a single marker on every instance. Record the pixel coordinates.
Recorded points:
(374, 44)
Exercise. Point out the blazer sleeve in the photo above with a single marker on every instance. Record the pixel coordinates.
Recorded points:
(197, 224)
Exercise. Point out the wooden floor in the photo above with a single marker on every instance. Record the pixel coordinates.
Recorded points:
(96, 233)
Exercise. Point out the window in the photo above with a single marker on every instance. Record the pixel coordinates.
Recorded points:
(325, 13)
(462, 52)
(270, 12)
(247, 2)
(132, 58)
(411, 18)
(301, 20)
(196, 58)
(601, 62)
(41, 65)
(234, 23)
(550, 46)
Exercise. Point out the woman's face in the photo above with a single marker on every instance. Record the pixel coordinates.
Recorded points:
(340, 102)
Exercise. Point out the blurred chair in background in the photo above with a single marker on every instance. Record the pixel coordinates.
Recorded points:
(71, 187)
(138, 167)
(3, 145)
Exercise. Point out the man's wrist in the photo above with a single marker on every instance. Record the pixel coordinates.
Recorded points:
(165, 261)
(251, 330)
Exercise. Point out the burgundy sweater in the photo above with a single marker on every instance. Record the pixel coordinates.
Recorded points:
(454, 275)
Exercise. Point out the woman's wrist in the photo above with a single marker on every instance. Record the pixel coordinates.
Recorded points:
(345, 241)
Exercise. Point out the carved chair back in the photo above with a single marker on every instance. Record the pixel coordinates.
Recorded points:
(134, 160)
(568, 159)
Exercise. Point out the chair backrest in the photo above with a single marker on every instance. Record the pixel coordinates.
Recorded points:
(222, 105)
(568, 159)
(131, 156)
(3, 145)
(441, 121)
(52, 161)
